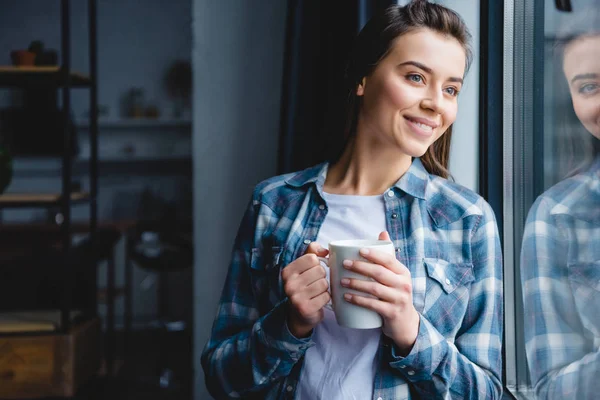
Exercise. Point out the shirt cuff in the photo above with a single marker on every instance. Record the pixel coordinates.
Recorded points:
(276, 333)
(429, 349)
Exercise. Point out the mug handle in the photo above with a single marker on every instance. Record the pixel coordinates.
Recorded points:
(325, 261)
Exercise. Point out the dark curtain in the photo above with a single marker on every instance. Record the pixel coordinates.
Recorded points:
(319, 36)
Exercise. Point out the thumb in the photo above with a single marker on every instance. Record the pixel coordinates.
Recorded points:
(384, 236)
(317, 249)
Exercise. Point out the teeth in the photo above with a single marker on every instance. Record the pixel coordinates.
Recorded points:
(423, 126)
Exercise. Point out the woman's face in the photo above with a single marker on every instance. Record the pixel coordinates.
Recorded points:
(582, 70)
(410, 99)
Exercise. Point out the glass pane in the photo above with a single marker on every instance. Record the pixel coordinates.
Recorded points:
(559, 267)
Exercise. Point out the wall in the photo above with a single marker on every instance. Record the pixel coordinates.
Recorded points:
(238, 59)
(464, 152)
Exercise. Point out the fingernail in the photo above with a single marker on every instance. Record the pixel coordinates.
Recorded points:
(347, 263)
(364, 251)
(347, 296)
(345, 282)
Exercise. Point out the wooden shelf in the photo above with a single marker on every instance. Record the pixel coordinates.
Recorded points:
(34, 200)
(11, 76)
(137, 123)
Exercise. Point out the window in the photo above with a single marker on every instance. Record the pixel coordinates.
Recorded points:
(551, 197)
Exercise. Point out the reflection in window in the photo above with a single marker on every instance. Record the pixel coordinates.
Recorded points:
(560, 255)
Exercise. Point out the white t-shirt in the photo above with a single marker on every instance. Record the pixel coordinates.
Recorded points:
(342, 364)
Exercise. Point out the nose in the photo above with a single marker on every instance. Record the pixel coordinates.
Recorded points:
(433, 100)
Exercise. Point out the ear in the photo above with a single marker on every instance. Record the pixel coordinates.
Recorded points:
(360, 90)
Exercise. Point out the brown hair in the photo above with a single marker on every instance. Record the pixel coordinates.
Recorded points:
(375, 41)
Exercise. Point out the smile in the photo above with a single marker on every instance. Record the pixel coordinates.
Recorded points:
(421, 126)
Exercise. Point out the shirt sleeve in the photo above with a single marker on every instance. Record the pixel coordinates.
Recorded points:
(247, 352)
(471, 366)
(562, 361)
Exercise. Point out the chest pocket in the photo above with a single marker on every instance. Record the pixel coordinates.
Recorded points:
(584, 279)
(447, 293)
(265, 275)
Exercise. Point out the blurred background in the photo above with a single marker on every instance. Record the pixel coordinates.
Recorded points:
(132, 133)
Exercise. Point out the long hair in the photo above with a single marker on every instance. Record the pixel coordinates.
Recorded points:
(375, 41)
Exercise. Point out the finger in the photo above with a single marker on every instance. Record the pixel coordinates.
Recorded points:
(384, 236)
(380, 307)
(377, 272)
(321, 300)
(312, 275)
(317, 288)
(316, 249)
(385, 259)
(300, 265)
(382, 292)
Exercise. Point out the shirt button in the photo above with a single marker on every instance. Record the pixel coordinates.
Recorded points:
(321, 207)
(447, 281)
(411, 372)
(394, 215)
(390, 193)
(289, 388)
(403, 366)
(306, 241)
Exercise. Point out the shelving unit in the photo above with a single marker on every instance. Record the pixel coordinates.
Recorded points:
(142, 123)
(63, 79)
(16, 77)
(64, 350)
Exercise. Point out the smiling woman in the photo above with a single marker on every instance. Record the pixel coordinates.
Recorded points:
(439, 296)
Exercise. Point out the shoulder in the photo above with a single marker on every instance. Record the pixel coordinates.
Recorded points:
(279, 191)
(448, 202)
(575, 197)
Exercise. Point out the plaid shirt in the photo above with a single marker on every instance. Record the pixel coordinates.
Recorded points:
(445, 234)
(560, 270)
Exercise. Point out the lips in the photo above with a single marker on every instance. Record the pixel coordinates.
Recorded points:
(421, 126)
(422, 122)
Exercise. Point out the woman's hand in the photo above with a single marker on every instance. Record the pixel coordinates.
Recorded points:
(305, 285)
(392, 288)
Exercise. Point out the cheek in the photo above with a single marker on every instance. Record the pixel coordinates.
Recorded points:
(450, 114)
(402, 96)
(582, 110)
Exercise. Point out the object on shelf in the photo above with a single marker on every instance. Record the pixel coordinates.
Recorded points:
(152, 112)
(22, 58)
(133, 103)
(178, 85)
(43, 56)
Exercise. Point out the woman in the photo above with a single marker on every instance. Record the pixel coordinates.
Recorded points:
(440, 297)
(560, 259)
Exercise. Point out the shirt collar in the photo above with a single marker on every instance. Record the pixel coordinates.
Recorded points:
(413, 182)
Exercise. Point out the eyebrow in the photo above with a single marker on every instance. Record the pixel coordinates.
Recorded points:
(429, 70)
(584, 76)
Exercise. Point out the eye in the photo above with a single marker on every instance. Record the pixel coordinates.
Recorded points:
(588, 88)
(416, 78)
(452, 91)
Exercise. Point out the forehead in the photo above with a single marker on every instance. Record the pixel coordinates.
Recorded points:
(442, 53)
(582, 56)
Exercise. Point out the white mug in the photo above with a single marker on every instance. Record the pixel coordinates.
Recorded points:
(347, 314)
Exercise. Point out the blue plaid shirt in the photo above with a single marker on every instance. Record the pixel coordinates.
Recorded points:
(560, 271)
(444, 233)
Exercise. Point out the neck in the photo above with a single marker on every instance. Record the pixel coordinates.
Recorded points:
(366, 168)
